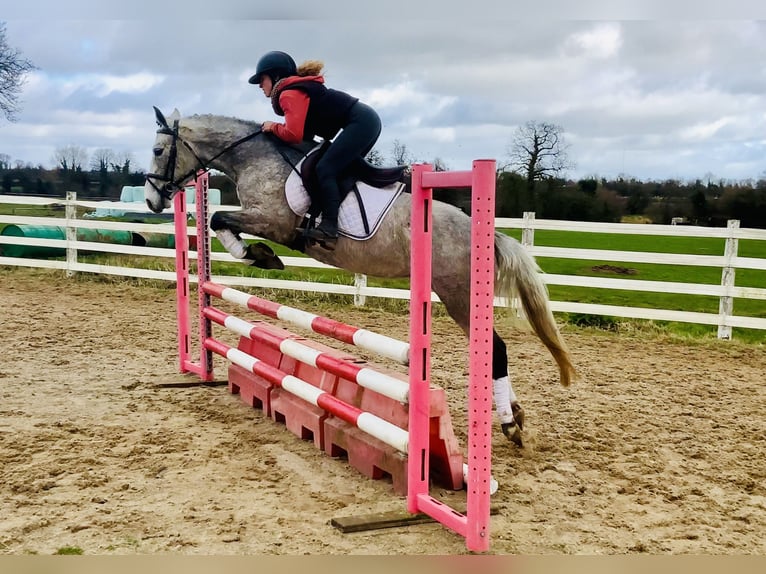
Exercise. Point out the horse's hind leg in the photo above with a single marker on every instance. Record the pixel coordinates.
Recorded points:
(451, 278)
(509, 411)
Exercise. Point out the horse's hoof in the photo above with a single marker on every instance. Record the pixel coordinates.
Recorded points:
(518, 414)
(263, 256)
(513, 433)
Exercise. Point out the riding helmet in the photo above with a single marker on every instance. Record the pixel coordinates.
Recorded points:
(276, 64)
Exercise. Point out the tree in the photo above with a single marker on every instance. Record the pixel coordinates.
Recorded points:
(538, 152)
(121, 162)
(102, 159)
(509, 195)
(400, 154)
(699, 207)
(70, 158)
(439, 164)
(13, 69)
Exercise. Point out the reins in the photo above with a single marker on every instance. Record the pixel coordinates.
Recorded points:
(171, 182)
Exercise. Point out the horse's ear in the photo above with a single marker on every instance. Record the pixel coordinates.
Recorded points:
(176, 115)
(163, 123)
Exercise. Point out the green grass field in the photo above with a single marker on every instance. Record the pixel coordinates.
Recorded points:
(574, 239)
(652, 272)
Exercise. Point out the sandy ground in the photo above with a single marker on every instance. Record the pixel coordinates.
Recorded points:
(658, 449)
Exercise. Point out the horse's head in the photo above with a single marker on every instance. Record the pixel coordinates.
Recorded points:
(172, 165)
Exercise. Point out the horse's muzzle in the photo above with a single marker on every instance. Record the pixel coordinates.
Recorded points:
(152, 207)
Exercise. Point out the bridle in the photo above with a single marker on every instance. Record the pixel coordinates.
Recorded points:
(169, 184)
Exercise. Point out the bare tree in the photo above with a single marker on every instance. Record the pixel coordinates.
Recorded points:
(5, 161)
(121, 162)
(102, 159)
(400, 154)
(70, 157)
(439, 164)
(13, 69)
(538, 151)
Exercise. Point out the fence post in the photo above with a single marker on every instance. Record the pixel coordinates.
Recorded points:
(726, 303)
(360, 282)
(528, 229)
(71, 232)
(528, 241)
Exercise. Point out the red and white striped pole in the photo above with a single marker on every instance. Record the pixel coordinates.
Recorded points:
(368, 422)
(363, 376)
(362, 338)
(372, 424)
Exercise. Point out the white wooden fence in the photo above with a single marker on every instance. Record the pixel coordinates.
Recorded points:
(726, 291)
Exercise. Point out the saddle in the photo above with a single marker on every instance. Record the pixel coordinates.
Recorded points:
(359, 171)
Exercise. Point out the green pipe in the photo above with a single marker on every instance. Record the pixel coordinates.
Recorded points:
(154, 240)
(51, 232)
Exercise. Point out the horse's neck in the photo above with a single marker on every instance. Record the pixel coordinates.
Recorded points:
(212, 134)
(209, 136)
(256, 166)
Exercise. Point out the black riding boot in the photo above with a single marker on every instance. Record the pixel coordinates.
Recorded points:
(326, 233)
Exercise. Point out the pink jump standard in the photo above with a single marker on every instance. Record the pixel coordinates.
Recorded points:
(474, 524)
(203, 368)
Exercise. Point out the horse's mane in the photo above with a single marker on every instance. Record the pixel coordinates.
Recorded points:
(230, 128)
(222, 123)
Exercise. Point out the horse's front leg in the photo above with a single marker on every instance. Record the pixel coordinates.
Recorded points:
(228, 226)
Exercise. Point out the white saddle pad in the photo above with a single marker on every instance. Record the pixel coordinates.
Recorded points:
(377, 202)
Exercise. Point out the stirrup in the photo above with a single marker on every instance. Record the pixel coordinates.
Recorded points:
(324, 239)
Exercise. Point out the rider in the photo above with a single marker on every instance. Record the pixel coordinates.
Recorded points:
(310, 109)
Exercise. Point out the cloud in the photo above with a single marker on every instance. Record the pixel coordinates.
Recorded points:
(600, 42)
(102, 85)
(658, 97)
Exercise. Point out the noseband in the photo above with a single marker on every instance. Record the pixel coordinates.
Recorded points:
(169, 184)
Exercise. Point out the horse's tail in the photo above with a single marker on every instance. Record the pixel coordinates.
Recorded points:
(517, 273)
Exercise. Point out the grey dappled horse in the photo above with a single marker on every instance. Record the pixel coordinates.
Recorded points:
(260, 164)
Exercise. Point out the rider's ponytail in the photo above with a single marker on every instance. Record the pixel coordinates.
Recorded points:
(311, 68)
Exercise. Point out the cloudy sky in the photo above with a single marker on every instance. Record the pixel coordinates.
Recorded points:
(650, 95)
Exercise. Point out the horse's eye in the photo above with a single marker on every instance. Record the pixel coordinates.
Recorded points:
(157, 151)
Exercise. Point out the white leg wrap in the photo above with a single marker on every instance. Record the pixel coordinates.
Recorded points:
(232, 243)
(502, 393)
(511, 394)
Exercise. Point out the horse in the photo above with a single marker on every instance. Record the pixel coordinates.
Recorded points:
(260, 164)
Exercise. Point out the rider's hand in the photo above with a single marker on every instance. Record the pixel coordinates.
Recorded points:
(268, 127)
